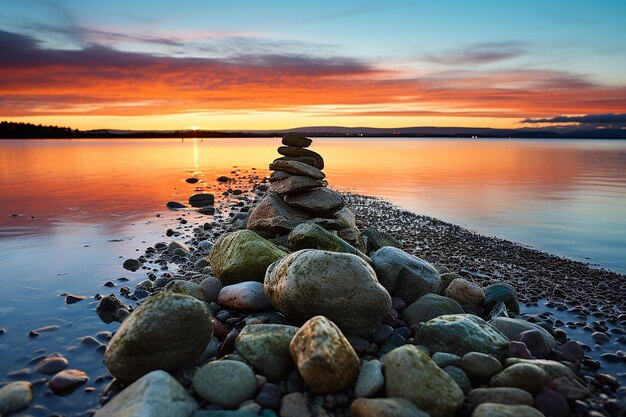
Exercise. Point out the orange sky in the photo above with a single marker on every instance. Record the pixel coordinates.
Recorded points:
(78, 66)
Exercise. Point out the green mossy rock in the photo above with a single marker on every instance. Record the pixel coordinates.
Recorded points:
(266, 348)
(461, 334)
(242, 256)
(169, 331)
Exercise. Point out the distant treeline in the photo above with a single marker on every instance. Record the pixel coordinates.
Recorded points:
(11, 130)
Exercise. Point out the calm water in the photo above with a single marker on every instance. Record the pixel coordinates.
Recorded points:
(84, 206)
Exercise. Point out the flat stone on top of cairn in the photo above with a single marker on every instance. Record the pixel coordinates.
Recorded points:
(297, 140)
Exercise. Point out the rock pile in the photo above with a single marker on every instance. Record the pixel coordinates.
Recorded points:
(303, 315)
(298, 193)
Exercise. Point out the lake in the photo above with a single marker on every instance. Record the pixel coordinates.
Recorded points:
(72, 210)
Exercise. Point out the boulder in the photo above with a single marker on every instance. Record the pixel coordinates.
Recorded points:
(404, 275)
(524, 376)
(297, 168)
(340, 286)
(266, 348)
(311, 236)
(512, 328)
(479, 366)
(192, 289)
(296, 139)
(505, 410)
(465, 292)
(501, 292)
(168, 331)
(429, 307)
(227, 383)
(295, 152)
(320, 202)
(242, 256)
(370, 379)
(153, 395)
(272, 216)
(553, 368)
(201, 200)
(324, 357)
(501, 395)
(375, 239)
(461, 334)
(412, 375)
(295, 184)
(246, 296)
(385, 407)
(15, 396)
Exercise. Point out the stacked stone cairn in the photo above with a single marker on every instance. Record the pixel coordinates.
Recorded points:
(298, 193)
(297, 317)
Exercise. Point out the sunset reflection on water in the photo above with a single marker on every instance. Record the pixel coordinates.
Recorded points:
(544, 193)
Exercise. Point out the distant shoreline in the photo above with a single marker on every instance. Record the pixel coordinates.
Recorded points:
(11, 130)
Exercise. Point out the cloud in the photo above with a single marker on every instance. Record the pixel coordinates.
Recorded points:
(37, 80)
(478, 54)
(606, 120)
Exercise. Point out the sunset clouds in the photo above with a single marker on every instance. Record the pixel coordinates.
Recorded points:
(127, 75)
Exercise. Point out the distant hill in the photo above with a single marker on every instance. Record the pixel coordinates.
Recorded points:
(10, 130)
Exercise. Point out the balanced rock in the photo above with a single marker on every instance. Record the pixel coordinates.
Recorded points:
(272, 216)
(429, 307)
(295, 184)
(412, 375)
(385, 407)
(266, 348)
(297, 168)
(279, 176)
(324, 357)
(242, 256)
(465, 292)
(461, 334)
(153, 395)
(296, 139)
(340, 286)
(295, 152)
(404, 275)
(168, 331)
(319, 202)
(311, 236)
(305, 160)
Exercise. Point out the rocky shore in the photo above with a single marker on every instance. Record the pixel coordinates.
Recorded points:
(292, 299)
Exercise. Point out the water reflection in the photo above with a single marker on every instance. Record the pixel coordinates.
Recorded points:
(563, 196)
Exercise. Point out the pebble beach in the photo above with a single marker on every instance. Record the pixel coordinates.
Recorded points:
(292, 299)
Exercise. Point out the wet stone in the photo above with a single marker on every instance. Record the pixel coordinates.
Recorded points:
(65, 382)
(51, 365)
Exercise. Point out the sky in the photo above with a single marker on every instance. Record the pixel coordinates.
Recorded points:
(218, 65)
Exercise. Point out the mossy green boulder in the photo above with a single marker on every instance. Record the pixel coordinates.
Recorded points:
(266, 348)
(460, 334)
(169, 331)
(242, 256)
(313, 236)
(339, 286)
(429, 307)
(411, 374)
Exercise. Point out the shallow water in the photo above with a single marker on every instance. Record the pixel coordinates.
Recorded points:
(85, 206)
